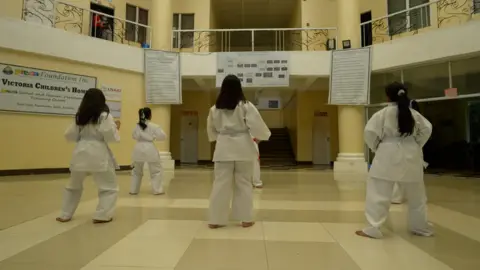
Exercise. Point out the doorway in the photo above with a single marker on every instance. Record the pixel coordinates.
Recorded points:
(366, 29)
(321, 138)
(189, 138)
(102, 26)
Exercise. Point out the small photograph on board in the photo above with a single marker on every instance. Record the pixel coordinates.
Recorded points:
(269, 61)
(258, 74)
(270, 69)
(277, 69)
(284, 61)
(254, 65)
(249, 80)
(240, 75)
(284, 68)
(281, 76)
(240, 65)
(268, 75)
(247, 65)
(220, 70)
(276, 61)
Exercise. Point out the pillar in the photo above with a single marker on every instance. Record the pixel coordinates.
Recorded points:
(350, 164)
(161, 15)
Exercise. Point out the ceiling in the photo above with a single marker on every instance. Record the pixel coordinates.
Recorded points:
(253, 13)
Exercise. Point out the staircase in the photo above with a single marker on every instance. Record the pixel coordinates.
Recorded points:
(278, 150)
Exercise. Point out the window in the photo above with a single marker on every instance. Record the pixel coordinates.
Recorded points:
(476, 6)
(134, 32)
(183, 22)
(408, 21)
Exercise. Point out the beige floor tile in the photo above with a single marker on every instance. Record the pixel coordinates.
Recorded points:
(167, 228)
(231, 232)
(391, 253)
(455, 221)
(144, 251)
(308, 256)
(296, 232)
(224, 254)
(123, 268)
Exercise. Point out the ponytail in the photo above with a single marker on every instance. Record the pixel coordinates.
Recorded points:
(397, 93)
(142, 120)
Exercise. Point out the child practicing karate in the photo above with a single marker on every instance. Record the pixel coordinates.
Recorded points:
(145, 151)
(92, 130)
(257, 182)
(398, 192)
(232, 122)
(396, 135)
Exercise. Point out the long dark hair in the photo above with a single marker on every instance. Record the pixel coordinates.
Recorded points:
(398, 93)
(92, 106)
(231, 93)
(414, 105)
(144, 114)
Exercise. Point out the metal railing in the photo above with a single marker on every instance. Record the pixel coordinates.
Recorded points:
(411, 21)
(271, 39)
(84, 21)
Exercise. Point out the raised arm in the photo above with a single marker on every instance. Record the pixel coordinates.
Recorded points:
(253, 119)
(423, 129)
(211, 130)
(72, 134)
(108, 128)
(374, 131)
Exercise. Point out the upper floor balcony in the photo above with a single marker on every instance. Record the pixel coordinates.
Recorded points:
(404, 18)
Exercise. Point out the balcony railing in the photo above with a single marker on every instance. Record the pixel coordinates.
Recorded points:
(274, 39)
(434, 14)
(83, 21)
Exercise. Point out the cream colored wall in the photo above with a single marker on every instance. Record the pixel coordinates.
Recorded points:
(36, 141)
(273, 118)
(11, 8)
(307, 103)
(319, 13)
(199, 101)
(201, 9)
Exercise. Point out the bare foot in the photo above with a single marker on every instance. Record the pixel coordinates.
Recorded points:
(361, 233)
(63, 220)
(98, 221)
(131, 193)
(159, 193)
(215, 226)
(396, 202)
(259, 186)
(247, 224)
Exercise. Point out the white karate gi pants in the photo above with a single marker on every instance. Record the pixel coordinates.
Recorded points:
(107, 194)
(378, 200)
(236, 177)
(256, 174)
(398, 194)
(156, 173)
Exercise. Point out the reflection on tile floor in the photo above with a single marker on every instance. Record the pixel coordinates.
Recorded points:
(303, 222)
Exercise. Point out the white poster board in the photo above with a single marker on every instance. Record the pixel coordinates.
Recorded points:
(113, 95)
(350, 77)
(163, 81)
(255, 69)
(31, 90)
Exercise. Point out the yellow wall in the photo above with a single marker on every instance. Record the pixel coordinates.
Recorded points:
(290, 121)
(199, 101)
(273, 118)
(309, 102)
(36, 141)
(11, 8)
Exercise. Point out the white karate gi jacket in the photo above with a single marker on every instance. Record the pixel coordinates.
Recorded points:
(233, 131)
(145, 149)
(397, 158)
(92, 153)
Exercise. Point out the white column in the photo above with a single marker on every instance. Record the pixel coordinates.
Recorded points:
(350, 165)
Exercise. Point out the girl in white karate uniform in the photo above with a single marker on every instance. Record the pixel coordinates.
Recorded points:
(396, 134)
(92, 130)
(257, 182)
(398, 192)
(146, 133)
(232, 122)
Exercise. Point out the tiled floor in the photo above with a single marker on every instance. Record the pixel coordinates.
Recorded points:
(303, 222)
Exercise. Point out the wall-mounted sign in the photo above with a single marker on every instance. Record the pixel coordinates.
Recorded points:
(31, 90)
(451, 92)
